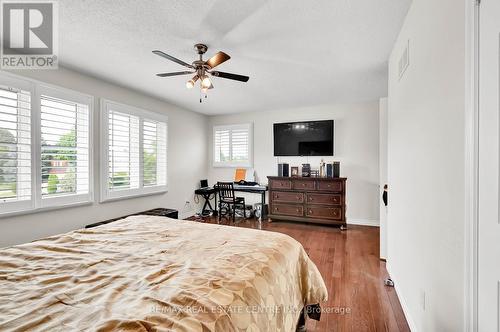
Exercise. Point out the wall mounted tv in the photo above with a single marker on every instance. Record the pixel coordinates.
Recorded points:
(309, 138)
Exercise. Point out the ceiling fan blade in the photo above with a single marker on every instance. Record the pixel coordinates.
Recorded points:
(217, 59)
(230, 76)
(177, 73)
(171, 58)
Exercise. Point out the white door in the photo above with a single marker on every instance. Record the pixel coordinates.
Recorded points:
(489, 185)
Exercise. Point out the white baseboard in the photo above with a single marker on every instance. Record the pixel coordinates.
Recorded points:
(363, 222)
(402, 301)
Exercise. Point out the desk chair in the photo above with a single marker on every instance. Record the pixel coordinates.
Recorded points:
(228, 202)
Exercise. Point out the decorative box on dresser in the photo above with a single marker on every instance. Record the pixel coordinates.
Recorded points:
(308, 199)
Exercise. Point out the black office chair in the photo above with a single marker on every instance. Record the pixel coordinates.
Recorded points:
(228, 202)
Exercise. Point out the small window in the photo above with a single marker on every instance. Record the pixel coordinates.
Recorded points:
(134, 160)
(232, 146)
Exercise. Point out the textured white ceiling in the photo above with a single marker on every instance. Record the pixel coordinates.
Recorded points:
(296, 52)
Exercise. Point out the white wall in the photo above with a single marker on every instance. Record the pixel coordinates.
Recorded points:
(383, 174)
(356, 147)
(426, 166)
(187, 163)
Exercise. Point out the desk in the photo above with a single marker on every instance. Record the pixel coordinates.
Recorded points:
(208, 191)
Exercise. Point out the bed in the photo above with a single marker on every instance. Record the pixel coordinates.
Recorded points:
(147, 273)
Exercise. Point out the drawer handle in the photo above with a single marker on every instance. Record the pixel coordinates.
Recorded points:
(298, 210)
(310, 212)
(298, 197)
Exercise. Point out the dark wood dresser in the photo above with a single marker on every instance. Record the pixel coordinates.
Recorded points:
(315, 200)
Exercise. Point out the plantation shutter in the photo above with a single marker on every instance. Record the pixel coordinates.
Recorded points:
(154, 153)
(123, 151)
(222, 139)
(239, 144)
(64, 147)
(135, 146)
(15, 144)
(232, 145)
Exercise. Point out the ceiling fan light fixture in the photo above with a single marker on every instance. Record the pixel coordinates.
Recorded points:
(206, 83)
(202, 69)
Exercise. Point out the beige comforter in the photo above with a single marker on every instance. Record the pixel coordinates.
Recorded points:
(148, 273)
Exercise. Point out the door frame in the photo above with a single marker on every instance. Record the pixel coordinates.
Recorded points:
(472, 17)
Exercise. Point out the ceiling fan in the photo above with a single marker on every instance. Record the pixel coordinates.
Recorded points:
(202, 69)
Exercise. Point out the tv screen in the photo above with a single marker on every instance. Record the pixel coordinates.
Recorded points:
(311, 138)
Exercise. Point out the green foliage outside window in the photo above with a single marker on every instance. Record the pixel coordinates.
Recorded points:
(52, 184)
(67, 182)
(149, 168)
(8, 171)
(119, 179)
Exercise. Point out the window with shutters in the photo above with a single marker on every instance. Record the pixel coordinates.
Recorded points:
(154, 152)
(123, 158)
(65, 146)
(232, 145)
(45, 143)
(134, 159)
(15, 145)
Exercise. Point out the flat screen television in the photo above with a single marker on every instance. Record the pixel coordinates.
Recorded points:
(309, 138)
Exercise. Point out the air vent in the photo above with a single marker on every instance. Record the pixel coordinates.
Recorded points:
(404, 60)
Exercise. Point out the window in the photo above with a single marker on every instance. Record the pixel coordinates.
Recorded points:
(44, 146)
(65, 147)
(134, 160)
(232, 146)
(154, 153)
(123, 159)
(15, 145)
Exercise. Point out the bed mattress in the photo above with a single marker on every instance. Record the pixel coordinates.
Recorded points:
(147, 273)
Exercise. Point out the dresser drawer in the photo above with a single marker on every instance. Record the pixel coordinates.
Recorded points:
(303, 185)
(287, 197)
(330, 186)
(326, 199)
(324, 212)
(288, 210)
(280, 184)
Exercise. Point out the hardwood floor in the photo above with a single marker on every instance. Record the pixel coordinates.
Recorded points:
(353, 273)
